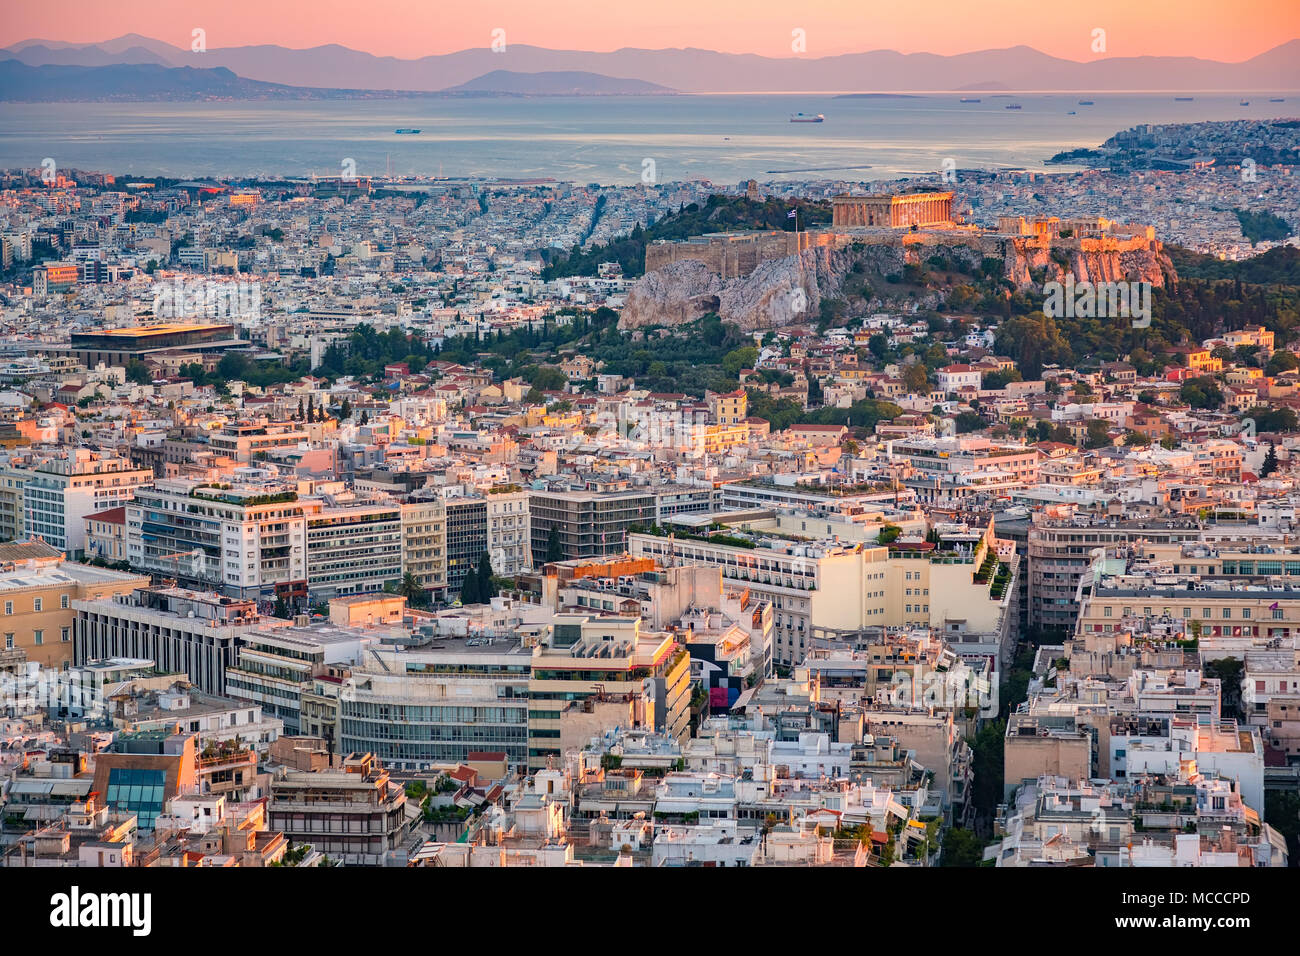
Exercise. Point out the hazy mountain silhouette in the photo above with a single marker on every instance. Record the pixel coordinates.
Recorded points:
(145, 81)
(695, 70)
(557, 83)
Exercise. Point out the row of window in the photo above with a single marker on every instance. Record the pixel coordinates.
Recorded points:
(38, 604)
(1279, 614)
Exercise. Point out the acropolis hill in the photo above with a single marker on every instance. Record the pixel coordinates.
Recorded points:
(771, 278)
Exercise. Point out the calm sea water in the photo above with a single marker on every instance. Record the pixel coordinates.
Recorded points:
(594, 139)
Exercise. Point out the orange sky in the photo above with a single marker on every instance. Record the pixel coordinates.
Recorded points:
(1214, 29)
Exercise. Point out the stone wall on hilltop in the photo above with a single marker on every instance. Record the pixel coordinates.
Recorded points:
(788, 290)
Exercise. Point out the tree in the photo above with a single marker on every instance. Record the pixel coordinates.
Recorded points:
(915, 378)
(888, 534)
(1282, 361)
(548, 379)
(879, 346)
(138, 372)
(487, 588)
(345, 410)
(968, 422)
(740, 358)
(1270, 462)
(281, 609)
(469, 589)
(411, 589)
(962, 847)
(1229, 672)
(554, 549)
(815, 394)
(1033, 341)
(1281, 419)
(1098, 433)
(233, 366)
(1201, 393)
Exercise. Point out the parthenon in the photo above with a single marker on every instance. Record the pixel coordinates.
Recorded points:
(914, 209)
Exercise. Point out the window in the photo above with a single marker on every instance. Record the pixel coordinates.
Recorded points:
(39, 636)
(1106, 612)
(1227, 613)
(1245, 613)
(1187, 612)
(9, 642)
(65, 634)
(38, 605)
(9, 607)
(63, 602)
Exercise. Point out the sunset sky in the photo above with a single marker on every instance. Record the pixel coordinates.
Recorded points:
(1213, 29)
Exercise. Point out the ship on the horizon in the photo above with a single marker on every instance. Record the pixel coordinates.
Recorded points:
(1013, 106)
(969, 99)
(807, 118)
(1086, 103)
(406, 130)
(1277, 99)
(1244, 103)
(1184, 99)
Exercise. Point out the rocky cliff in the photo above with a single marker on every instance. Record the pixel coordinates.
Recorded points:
(1030, 263)
(790, 290)
(777, 293)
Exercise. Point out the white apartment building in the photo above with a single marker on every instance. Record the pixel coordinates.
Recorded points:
(509, 532)
(61, 491)
(246, 540)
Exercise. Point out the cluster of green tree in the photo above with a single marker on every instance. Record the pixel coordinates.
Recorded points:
(479, 586)
(368, 351)
(696, 358)
(507, 354)
(1201, 392)
(784, 412)
(1281, 419)
(1262, 226)
(237, 367)
(1280, 266)
(718, 214)
(1189, 312)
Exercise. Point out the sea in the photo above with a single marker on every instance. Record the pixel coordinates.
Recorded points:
(609, 140)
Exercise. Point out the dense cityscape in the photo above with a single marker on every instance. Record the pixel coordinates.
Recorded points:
(411, 521)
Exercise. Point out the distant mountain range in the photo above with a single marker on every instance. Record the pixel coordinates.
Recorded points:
(691, 70)
(134, 82)
(555, 83)
(130, 82)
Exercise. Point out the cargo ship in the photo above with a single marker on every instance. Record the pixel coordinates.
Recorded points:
(405, 130)
(1086, 103)
(1244, 103)
(969, 99)
(1277, 99)
(1184, 99)
(806, 118)
(1013, 106)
